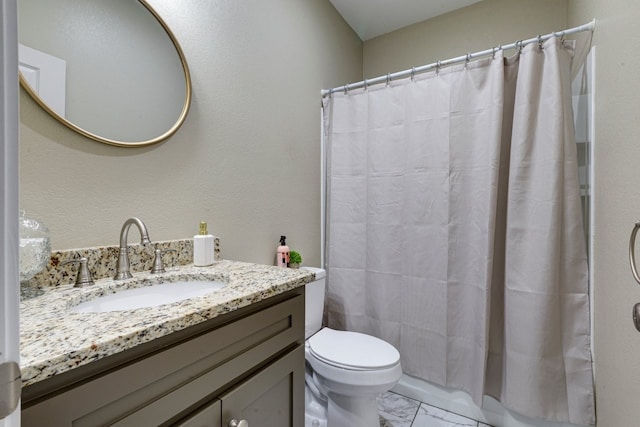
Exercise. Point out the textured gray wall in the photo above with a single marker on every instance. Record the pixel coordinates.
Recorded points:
(617, 204)
(477, 27)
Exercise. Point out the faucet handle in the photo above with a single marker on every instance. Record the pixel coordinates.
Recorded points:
(83, 278)
(158, 266)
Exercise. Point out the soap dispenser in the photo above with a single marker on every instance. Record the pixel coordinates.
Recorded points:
(283, 252)
(203, 246)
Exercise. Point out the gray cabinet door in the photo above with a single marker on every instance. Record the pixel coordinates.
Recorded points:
(274, 397)
(209, 416)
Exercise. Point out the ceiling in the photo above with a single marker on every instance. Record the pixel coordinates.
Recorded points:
(372, 18)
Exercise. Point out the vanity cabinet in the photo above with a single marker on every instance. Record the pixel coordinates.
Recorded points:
(245, 365)
(265, 399)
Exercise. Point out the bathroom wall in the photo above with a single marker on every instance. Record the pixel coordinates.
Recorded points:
(247, 159)
(617, 204)
(477, 27)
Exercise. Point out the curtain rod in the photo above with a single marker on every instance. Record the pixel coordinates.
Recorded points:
(415, 70)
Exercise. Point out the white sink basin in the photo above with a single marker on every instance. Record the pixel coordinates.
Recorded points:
(149, 296)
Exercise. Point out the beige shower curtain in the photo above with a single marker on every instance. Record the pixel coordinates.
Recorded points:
(455, 229)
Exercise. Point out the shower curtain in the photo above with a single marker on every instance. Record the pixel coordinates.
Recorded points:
(454, 229)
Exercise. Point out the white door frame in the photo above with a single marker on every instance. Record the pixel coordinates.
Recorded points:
(47, 76)
(9, 234)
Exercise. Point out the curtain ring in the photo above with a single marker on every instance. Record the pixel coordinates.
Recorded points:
(388, 78)
(413, 73)
(365, 84)
(467, 59)
(494, 50)
(519, 46)
(346, 89)
(562, 39)
(540, 41)
(438, 65)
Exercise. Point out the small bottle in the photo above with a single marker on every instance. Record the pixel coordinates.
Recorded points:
(283, 253)
(203, 246)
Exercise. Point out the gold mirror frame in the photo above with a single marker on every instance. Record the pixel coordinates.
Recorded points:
(173, 129)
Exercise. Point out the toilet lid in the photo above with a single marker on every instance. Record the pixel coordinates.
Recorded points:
(352, 350)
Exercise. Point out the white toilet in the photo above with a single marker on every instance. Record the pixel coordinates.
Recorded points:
(344, 371)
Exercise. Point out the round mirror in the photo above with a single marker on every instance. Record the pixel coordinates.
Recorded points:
(110, 70)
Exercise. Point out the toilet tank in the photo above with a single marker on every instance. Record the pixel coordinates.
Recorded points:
(314, 302)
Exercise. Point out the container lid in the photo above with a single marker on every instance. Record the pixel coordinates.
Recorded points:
(352, 350)
(320, 272)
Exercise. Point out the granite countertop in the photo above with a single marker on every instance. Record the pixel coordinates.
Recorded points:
(54, 339)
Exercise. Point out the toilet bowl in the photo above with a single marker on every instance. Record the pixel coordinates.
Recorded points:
(344, 371)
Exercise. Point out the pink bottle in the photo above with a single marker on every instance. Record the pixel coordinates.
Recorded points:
(283, 253)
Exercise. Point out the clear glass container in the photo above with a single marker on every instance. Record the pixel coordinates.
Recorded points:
(35, 247)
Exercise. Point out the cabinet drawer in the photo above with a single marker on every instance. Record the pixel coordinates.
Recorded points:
(271, 397)
(205, 365)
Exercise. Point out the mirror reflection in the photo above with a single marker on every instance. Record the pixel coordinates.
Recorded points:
(110, 70)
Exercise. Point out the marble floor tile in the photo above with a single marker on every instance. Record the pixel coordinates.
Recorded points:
(385, 423)
(396, 410)
(428, 416)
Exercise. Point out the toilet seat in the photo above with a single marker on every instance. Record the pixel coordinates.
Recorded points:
(352, 350)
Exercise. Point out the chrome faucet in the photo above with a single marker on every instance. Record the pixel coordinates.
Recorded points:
(123, 269)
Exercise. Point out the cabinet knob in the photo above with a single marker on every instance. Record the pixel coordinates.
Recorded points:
(236, 423)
